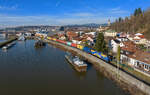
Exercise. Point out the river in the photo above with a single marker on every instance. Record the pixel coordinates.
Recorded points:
(2, 39)
(25, 70)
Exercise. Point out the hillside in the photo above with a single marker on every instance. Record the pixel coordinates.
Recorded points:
(139, 21)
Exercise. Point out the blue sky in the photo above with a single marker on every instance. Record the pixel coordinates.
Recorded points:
(62, 12)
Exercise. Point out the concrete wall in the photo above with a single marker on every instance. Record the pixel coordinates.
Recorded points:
(129, 83)
(7, 42)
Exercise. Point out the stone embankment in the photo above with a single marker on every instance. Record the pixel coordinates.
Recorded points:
(7, 42)
(126, 81)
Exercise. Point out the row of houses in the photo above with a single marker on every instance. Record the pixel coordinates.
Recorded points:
(136, 38)
(131, 54)
(134, 57)
(78, 37)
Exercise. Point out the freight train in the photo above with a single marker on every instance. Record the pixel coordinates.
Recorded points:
(83, 48)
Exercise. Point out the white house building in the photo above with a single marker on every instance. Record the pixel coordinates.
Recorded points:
(115, 44)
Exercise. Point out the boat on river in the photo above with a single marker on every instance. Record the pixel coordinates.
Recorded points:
(21, 38)
(77, 63)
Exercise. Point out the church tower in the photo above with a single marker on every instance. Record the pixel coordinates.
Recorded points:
(109, 23)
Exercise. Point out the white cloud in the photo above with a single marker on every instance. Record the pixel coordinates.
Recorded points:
(6, 20)
(8, 7)
(117, 10)
(81, 14)
(68, 18)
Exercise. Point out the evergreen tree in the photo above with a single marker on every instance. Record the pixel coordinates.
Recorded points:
(137, 12)
(120, 19)
(100, 44)
(86, 44)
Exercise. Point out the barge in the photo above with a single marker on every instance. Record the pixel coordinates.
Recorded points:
(78, 64)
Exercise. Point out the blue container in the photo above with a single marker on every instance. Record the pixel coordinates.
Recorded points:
(88, 50)
(93, 52)
(106, 59)
(69, 43)
(102, 56)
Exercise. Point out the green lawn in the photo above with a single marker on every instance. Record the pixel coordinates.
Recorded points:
(133, 72)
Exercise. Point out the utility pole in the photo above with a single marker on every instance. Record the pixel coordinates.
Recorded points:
(118, 61)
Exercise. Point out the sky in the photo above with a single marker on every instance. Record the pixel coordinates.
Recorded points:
(64, 12)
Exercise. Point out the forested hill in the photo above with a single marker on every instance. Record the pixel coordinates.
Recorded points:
(139, 21)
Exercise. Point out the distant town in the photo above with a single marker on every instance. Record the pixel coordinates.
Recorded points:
(135, 48)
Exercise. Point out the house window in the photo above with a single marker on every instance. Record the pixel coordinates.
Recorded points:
(128, 59)
(138, 64)
(146, 68)
(127, 52)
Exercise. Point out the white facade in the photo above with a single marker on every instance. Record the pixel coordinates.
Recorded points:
(76, 42)
(110, 34)
(140, 41)
(42, 34)
(28, 34)
(114, 46)
(3, 35)
(138, 34)
(135, 63)
(62, 38)
(122, 39)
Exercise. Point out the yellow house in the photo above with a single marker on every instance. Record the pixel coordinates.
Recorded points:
(110, 33)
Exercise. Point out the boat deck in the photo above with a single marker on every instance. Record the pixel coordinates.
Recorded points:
(79, 68)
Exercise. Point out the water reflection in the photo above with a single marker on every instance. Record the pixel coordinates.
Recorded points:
(80, 75)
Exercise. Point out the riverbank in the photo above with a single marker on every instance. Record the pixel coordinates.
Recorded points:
(126, 81)
(7, 42)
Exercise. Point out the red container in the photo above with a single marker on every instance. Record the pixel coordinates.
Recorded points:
(74, 45)
(61, 41)
(64, 42)
(57, 40)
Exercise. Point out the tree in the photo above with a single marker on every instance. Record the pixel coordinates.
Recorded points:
(62, 28)
(138, 22)
(100, 44)
(137, 12)
(120, 19)
(86, 44)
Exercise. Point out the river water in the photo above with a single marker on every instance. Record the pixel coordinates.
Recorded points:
(25, 70)
(2, 39)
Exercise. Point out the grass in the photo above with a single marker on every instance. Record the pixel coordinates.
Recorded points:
(133, 72)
